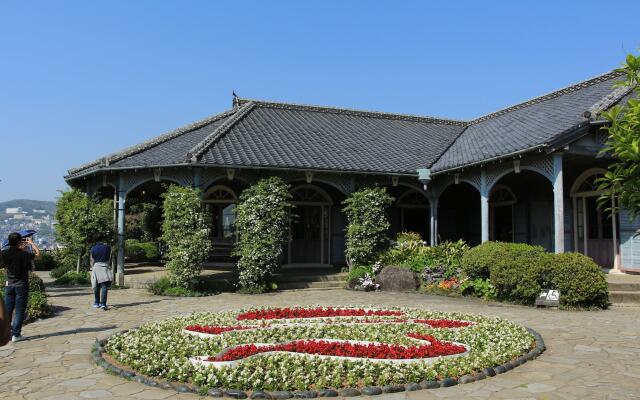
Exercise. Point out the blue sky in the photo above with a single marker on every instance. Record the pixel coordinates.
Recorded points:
(81, 79)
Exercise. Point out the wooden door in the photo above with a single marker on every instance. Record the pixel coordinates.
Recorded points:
(306, 235)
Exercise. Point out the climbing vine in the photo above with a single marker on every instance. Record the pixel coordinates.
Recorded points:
(262, 224)
(367, 224)
(186, 232)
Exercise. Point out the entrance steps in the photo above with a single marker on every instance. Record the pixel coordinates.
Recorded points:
(310, 278)
(624, 293)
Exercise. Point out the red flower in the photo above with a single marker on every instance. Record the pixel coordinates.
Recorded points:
(289, 313)
(347, 349)
(443, 323)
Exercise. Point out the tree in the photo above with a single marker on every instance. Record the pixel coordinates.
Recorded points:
(622, 180)
(80, 218)
(367, 224)
(185, 230)
(262, 224)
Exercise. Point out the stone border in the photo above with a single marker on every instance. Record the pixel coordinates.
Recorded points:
(98, 350)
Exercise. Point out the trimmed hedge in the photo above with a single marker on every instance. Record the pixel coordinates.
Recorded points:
(477, 262)
(580, 281)
(519, 272)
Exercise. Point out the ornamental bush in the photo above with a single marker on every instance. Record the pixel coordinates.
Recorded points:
(367, 224)
(580, 281)
(521, 275)
(519, 272)
(186, 232)
(477, 262)
(411, 252)
(262, 224)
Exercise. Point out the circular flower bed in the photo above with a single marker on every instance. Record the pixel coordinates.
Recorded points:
(287, 349)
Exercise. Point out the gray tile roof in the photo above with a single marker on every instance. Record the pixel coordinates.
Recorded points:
(281, 135)
(531, 124)
(292, 136)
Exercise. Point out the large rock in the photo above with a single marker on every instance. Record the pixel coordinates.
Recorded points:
(397, 279)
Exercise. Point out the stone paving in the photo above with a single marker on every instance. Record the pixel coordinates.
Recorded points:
(590, 355)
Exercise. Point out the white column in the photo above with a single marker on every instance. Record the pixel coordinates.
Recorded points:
(121, 232)
(484, 206)
(558, 203)
(614, 223)
(433, 222)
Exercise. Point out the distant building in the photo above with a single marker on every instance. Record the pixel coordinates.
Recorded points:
(13, 210)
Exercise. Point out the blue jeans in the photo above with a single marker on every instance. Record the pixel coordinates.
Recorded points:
(15, 298)
(100, 293)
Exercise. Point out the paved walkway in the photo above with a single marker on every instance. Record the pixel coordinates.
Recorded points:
(590, 355)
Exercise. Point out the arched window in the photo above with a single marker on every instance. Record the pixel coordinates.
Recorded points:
(311, 195)
(585, 184)
(501, 195)
(413, 213)
(220, 194)
(412, 199)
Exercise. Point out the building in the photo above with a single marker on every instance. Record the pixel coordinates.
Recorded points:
(525, 173)
(13, 210)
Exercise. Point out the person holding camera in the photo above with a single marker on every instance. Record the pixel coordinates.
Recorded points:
(17, 261)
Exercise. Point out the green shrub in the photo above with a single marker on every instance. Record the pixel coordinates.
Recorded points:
(519, 272)
(46, 261)
(262, 224)
(478, 287)
(367, 225)
(357, 272)
(580, 281)
(137, 251)
(404, 237)
(411, 252)
(477, 262)
(185, 229)
(37, 305)
(35, 283)
(65, 261)
(73, 278)
(447, 256)
(59, 272)
(164, 287)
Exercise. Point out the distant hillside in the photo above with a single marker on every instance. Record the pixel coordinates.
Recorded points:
(29, 205)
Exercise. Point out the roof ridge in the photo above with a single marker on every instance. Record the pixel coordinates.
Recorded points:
(198, 150)
(351, 111)
(135, 149)
(446, 149)
(551, 95)
(608, 101)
